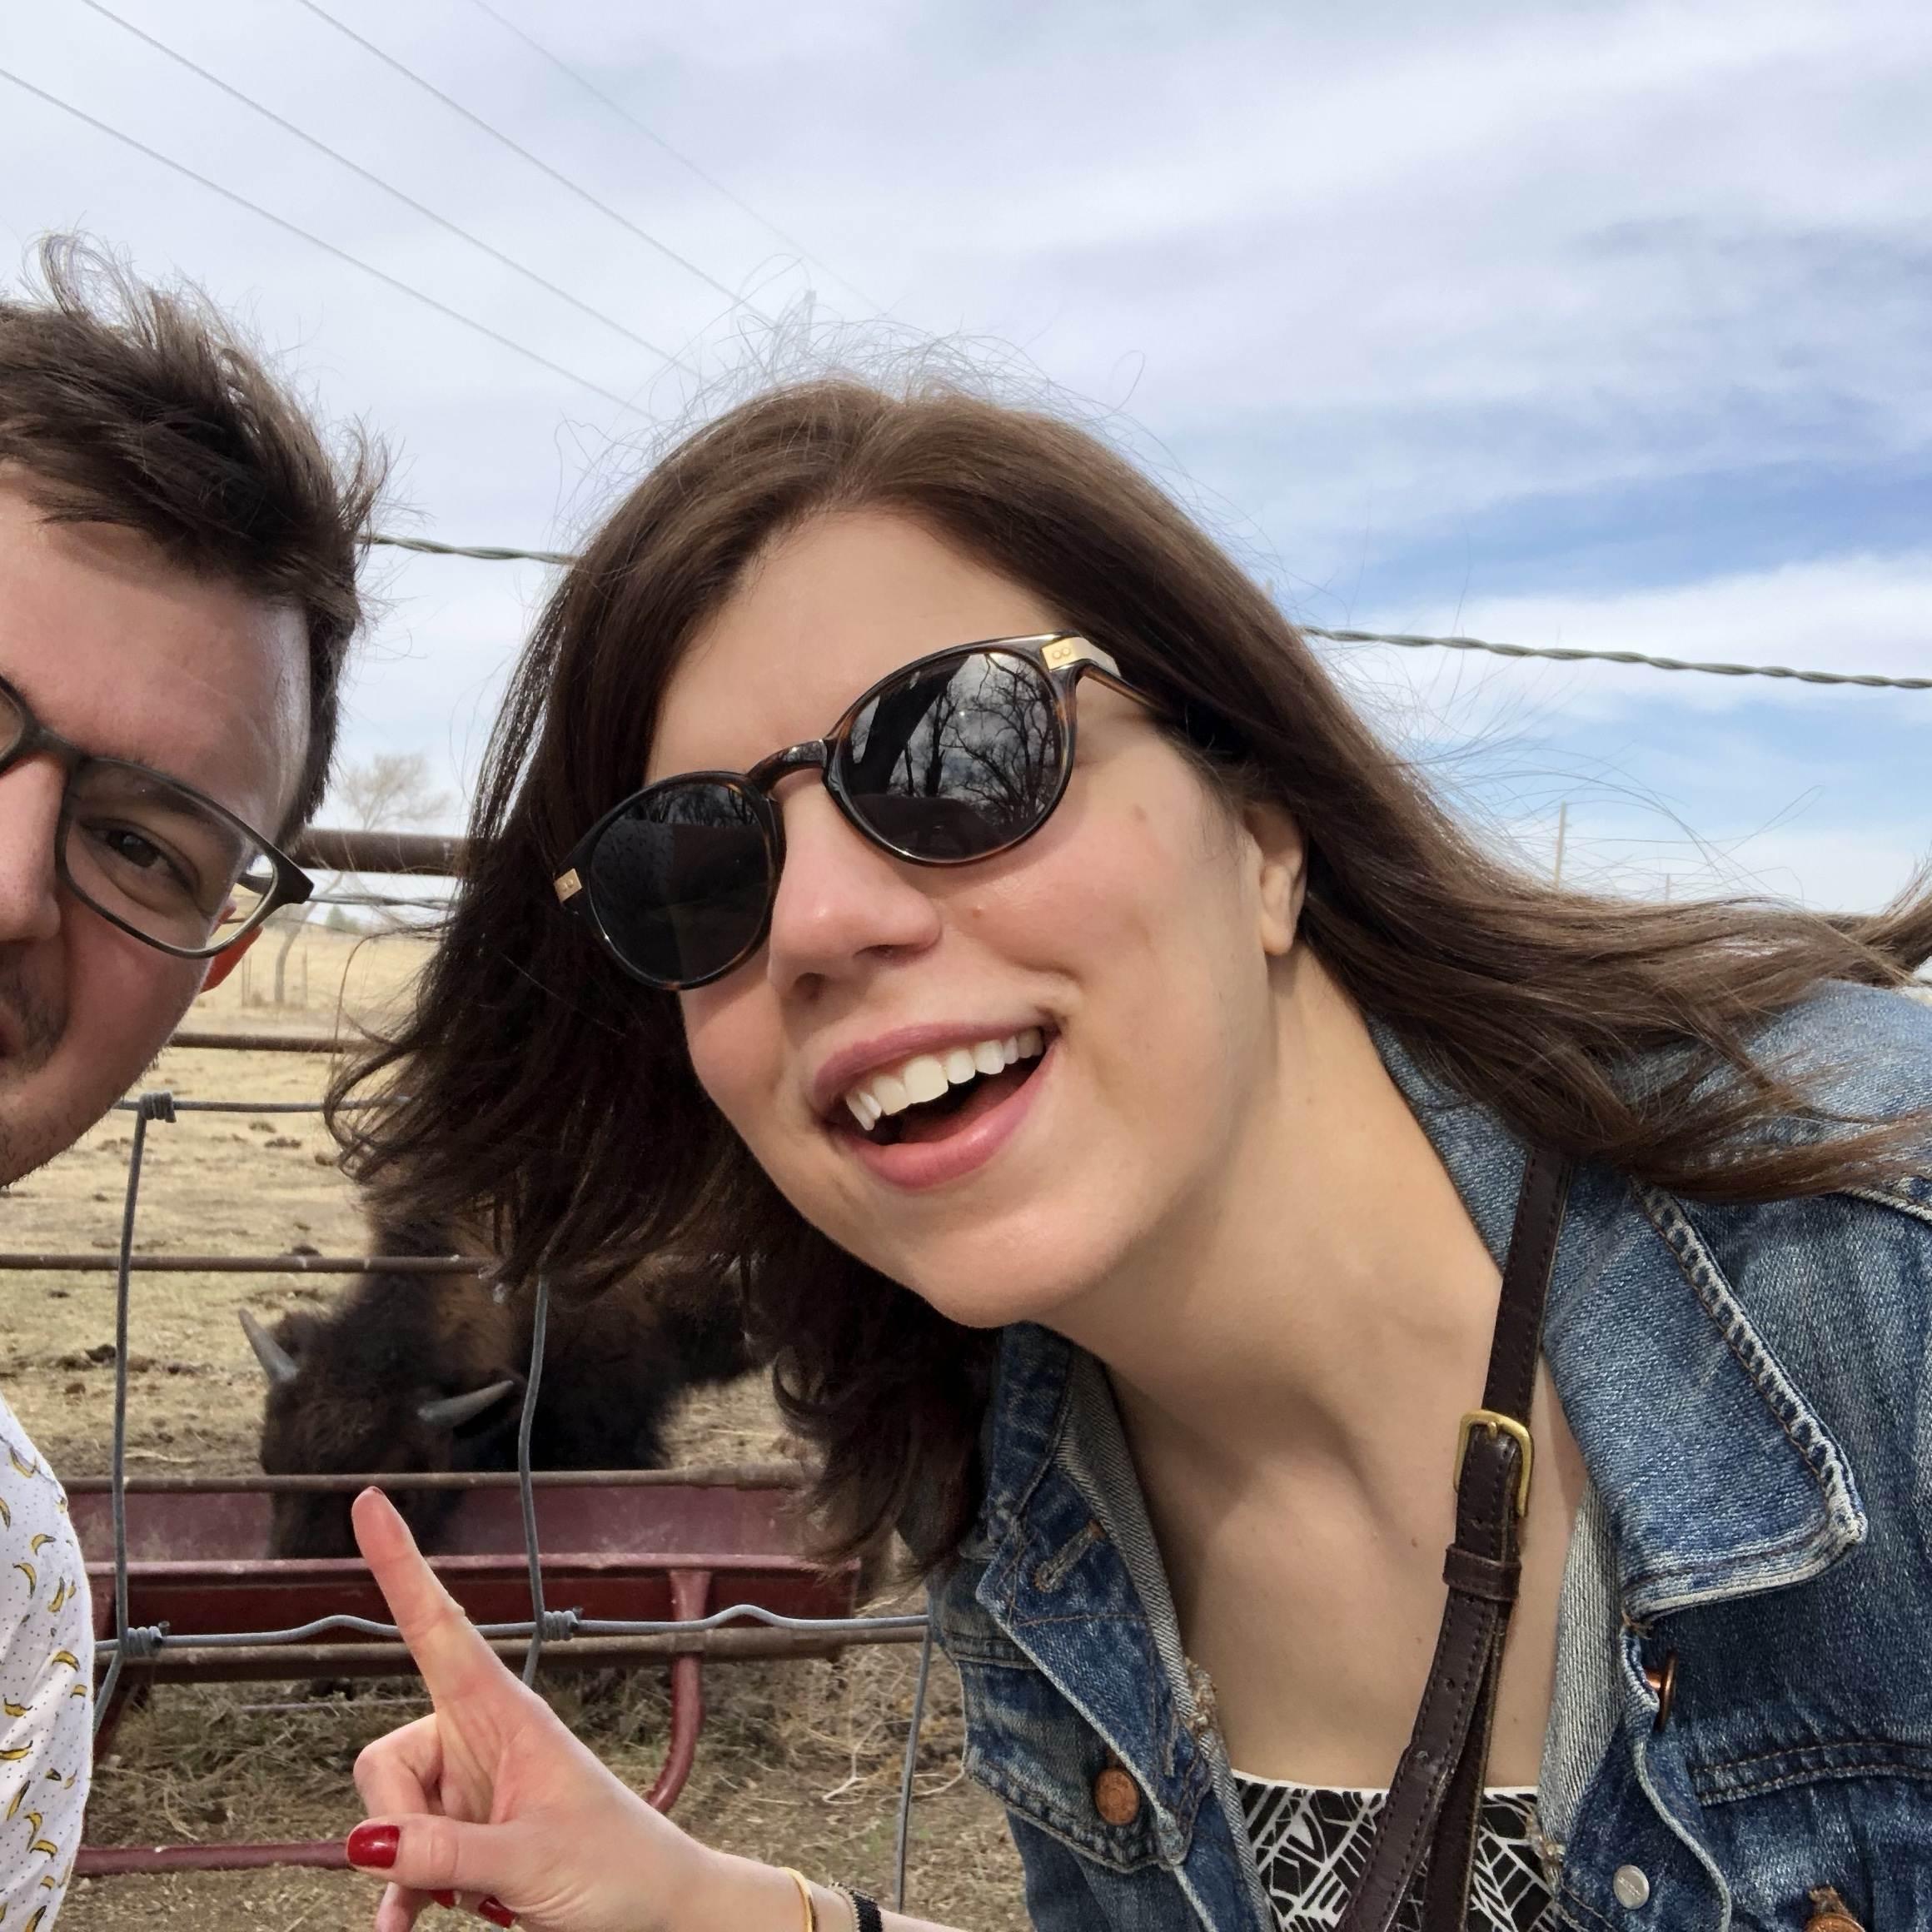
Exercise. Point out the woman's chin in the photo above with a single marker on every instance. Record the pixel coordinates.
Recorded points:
(981, 1290)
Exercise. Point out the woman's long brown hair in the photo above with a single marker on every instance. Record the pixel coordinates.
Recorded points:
(550, 1098)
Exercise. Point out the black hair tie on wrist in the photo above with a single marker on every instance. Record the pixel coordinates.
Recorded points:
(863, 1909)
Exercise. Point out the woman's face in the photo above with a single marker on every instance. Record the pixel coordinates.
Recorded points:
(1132, 935)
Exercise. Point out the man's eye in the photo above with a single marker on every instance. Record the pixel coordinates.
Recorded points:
(131, 849)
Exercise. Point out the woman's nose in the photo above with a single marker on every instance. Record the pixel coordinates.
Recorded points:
(30, 803)
(842, 905)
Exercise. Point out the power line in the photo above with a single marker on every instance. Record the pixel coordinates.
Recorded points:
(291, 227)
(1409, 641)
(388, 188)
(562, 180)
(678, 155)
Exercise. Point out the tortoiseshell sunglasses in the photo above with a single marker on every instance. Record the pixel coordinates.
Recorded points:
(952, 759)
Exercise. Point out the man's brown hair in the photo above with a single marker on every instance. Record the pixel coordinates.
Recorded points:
(125, 404)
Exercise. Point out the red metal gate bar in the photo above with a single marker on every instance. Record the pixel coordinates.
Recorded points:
(690, 1595)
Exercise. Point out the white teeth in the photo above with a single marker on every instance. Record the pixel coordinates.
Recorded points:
(926, 1076)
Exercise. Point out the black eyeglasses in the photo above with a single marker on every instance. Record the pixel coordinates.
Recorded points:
(150, 854)
(952, 759)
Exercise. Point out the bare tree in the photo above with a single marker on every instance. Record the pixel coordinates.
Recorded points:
(390, 791)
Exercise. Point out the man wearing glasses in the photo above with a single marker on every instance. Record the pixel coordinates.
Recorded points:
(177, 592)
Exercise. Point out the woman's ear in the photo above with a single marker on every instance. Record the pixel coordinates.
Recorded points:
(1282, 875)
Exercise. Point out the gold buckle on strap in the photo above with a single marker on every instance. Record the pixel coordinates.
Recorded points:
(1488, 1419)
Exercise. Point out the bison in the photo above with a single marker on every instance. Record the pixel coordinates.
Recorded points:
(426, 1371)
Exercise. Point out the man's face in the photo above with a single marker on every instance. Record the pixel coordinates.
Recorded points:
(125, 655)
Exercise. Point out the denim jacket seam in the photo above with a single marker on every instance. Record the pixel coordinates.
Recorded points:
(1647, 1198)
(1886, 1195)
(1568, 1900)
(1708, 1799)
(1819, 1745)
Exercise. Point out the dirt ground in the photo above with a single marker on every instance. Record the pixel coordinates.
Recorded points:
(799, 1761)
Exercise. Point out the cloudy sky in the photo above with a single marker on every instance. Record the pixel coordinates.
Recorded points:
(1589, 324)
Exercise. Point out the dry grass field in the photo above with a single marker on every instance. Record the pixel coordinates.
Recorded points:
(799, 1761)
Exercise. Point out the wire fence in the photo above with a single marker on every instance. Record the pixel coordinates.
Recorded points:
(742, 1629)
(1402, 640)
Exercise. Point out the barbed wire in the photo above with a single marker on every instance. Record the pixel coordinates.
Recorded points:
(481, 553)
(1561, 654)
(1404, 640)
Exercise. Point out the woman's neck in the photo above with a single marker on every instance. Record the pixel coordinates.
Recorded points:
(1330, 1285)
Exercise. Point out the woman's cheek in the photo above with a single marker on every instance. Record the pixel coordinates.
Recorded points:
(725, 1054)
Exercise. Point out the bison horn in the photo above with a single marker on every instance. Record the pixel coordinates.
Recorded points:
(277, 1364)
(452, 1411)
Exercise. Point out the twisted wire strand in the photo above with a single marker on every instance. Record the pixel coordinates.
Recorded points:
(1406, 639)
(157, 1105)
(901, 1842)
(559, 1626)
(1561, 654)
(526, 1492)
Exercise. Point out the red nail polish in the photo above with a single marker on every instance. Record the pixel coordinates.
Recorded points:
(447, 1900)
(496, 1911)
(374, 1845)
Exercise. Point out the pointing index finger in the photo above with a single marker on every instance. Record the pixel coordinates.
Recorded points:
(455, 1662)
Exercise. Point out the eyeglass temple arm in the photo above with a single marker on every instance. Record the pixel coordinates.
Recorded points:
(1085, 658)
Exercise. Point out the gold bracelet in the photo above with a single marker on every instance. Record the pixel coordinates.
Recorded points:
(799, 1880)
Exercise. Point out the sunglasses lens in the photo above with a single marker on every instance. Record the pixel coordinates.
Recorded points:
(956, 760)
(681, 880)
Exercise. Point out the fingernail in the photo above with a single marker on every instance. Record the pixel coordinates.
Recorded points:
(496, 1911)
(375, 1845)
(447, 1900)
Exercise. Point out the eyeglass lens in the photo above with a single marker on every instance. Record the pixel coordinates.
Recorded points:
(149, 852)
(949, 763)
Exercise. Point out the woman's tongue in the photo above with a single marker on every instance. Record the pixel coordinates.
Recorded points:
(941, 1119)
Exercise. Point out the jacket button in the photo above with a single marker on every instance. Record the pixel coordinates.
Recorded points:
(1830, 1913)
(1115, 1796)
(1631, 1887)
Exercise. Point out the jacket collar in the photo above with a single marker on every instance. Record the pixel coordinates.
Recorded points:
(1718, 1478)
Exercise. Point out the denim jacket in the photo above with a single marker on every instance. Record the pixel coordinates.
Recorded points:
(1751, 1391)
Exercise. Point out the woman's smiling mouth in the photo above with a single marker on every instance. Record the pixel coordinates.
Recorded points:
(972, 1114)
(912, 1100)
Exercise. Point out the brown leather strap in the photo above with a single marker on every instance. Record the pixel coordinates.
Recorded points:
(1435, 1800)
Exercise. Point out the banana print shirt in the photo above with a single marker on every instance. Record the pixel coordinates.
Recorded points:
(46, 1686)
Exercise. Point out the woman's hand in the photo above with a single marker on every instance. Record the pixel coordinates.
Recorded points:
(492, 1798)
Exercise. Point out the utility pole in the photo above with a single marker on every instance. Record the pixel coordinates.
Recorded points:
(1562, 833)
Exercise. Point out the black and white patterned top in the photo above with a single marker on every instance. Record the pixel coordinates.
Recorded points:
(1312, 1843)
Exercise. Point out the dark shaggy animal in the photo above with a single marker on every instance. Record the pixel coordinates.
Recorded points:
(426, 1371)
